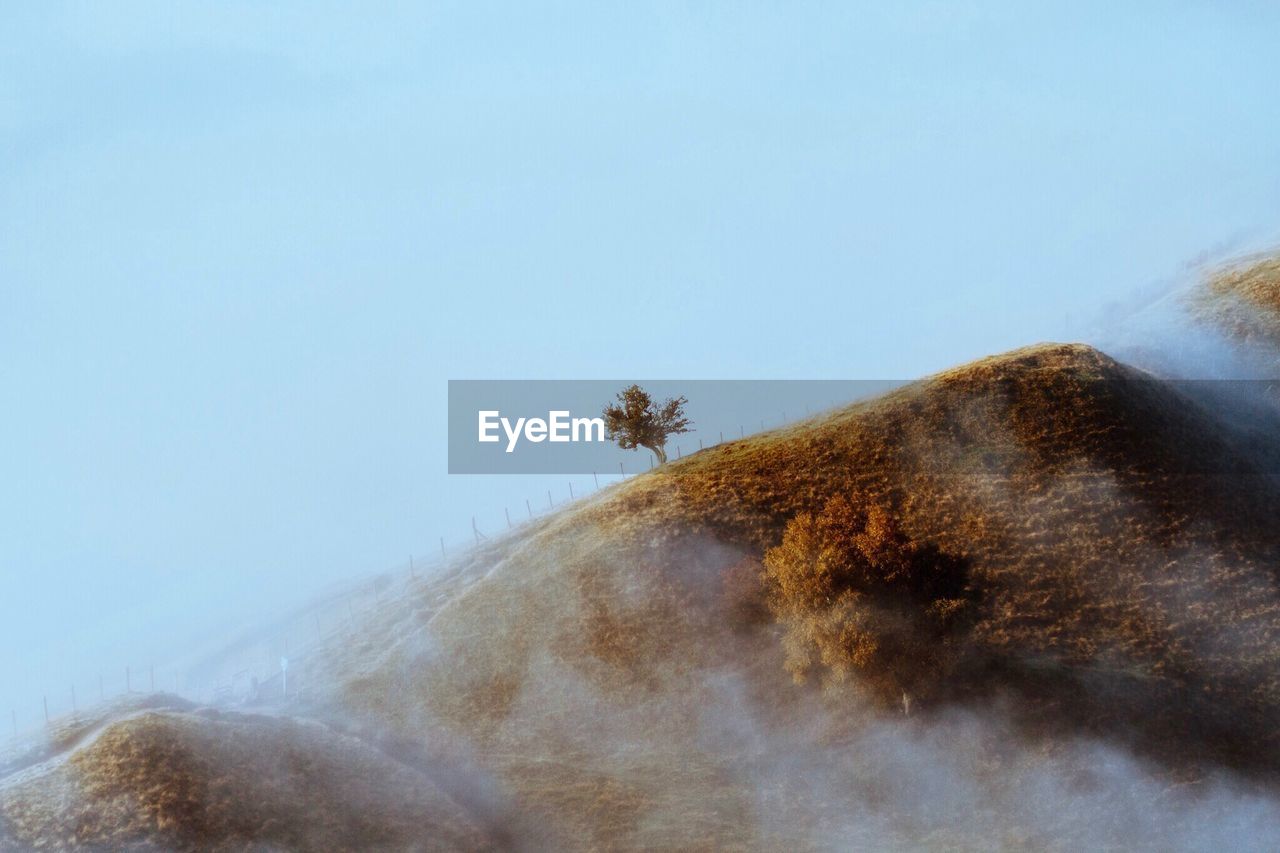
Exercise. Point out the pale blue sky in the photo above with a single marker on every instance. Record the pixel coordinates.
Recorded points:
(244, 245)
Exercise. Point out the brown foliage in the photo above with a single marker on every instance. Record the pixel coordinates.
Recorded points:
(854, 595)
(637, 420)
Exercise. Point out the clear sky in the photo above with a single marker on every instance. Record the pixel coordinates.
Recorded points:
(243, 245)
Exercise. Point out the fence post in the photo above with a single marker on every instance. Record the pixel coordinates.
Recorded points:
(550, 503)
(596, 480)
(699, 444)
(442, 554)
(722, 436)
(570, 490)
(528, 507)
(620, 471)
(507, 513)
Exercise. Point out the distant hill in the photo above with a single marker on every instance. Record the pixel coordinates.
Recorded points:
(1243, 300)
(176, 778)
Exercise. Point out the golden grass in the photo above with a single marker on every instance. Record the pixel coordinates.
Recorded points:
(1118, 542)
(181, 781)
(1243, 300)
(1121, 550)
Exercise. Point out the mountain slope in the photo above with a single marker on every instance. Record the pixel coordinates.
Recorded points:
(1243, 300)
(611, 676)
(1121, 546)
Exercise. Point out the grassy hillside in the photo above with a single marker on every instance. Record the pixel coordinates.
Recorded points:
(610, 676)
(178, 779)
(1243, 300)
(1121, 553)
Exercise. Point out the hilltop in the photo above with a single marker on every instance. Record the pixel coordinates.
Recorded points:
(1243, 300)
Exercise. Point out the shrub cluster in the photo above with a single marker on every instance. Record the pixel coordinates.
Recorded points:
(855, 596)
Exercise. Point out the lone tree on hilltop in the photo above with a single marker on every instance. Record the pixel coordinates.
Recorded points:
(637, 421)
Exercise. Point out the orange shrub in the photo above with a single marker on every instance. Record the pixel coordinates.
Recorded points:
(856, 596)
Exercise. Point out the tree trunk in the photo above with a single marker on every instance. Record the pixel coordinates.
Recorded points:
(658, 451)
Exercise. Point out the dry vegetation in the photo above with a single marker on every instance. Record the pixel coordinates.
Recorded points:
(1120, 558)
(1117, 540)
(1045, 536)
(172, 780)
(857, 598)
(1243, 300)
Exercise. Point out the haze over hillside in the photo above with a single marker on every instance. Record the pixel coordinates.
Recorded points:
(615, 675)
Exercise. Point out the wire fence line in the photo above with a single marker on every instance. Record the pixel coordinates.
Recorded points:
(260, 672)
